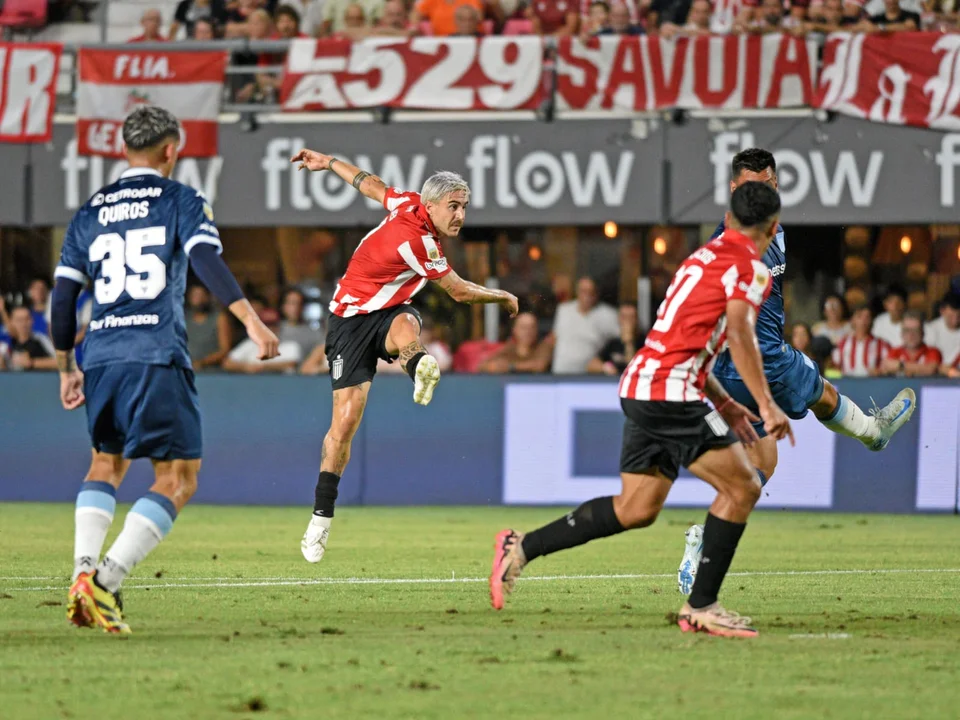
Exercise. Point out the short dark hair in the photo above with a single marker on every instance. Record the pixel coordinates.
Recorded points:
(603, 3)
(290, 12)
(753, 159)
(895, 290)
(20, 306)
(951, 299)
(148, 126)
(858, 308)
(754, 203)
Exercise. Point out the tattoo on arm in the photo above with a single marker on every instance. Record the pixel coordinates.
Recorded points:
(66, 361)
(359, 178)
(409, 351)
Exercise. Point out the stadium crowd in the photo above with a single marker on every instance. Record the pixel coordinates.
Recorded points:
(584, 335)
(357, 19)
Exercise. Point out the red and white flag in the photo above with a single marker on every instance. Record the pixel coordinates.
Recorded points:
(114, 82)
(28, 91)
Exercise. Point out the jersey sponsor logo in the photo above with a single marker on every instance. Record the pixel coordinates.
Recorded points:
(336, 368)
(778, 270)
(97, 200)
(130, 194)
(438, 265)
(121, 321)
(123, 211)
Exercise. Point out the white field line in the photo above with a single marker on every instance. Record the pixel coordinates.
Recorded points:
(280, 582)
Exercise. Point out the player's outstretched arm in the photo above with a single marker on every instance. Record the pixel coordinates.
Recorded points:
(468, 293)
(742, 339)
(369, 185)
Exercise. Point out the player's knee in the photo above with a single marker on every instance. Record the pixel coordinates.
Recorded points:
(746, 491)
(634, 513)
(106, 468)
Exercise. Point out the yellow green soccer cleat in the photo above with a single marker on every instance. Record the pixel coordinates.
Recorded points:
(90, 605)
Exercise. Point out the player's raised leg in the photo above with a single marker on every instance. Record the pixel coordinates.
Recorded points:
(403, 340)
(738, 489)
(637, 506)
(348, 406)
(842, 415)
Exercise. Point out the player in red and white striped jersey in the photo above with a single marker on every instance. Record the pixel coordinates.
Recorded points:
(713, 298)
(860, 354)
(372, 316)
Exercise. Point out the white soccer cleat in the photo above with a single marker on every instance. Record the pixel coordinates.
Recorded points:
(428, 375)
(314, 543)
(687, 572)
(892, 417)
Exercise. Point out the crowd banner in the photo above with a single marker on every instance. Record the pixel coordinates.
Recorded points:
(28, 87)
(115, 82)
(729, 72)
(899, 78)
(428, 73)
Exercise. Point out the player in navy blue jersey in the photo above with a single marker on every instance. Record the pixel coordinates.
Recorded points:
(133, 241)
(793, 377)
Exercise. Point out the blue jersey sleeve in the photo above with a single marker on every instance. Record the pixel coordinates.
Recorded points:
(73, 260)
(195, 222)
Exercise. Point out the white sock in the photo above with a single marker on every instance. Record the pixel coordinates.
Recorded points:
(147, 523)
(96, 504)
(321, 522)
(848, 419)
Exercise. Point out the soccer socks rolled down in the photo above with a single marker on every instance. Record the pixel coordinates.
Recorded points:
(96, 504)
(763, 478)
(147, 523)
(720, 540)
(325, 495)
(594, 519)
(412, 363)
(848, 419)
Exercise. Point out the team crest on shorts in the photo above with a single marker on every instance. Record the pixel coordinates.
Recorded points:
(336, 369)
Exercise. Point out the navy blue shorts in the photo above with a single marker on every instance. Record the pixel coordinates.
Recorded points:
(795, 382)
(138, 410)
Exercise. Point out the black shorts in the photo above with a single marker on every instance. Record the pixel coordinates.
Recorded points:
(668, 435)
(354, 344)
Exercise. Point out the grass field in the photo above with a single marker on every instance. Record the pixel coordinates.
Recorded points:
(230, 622)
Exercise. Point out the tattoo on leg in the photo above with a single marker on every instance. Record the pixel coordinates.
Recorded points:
(407, 352)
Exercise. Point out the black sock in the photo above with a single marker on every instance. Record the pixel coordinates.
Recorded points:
(594, 519)
(720, 539)
(411, 367)
(326, 494)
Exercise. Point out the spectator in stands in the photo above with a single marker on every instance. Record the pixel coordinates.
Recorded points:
(944, 332)
(913, 358)
(208, 330)
(768, 18)
(668, 16)
(151, 21)
(698, 20)
(731, 15)
(522, 353)
(581, 328)
(834, 324)
(821, 350)
(466, 19)
(556, 18)
(887, 325)
(796, 20)
(440, 14)
(262, 87)
(895, 19)
(28, 350)
(621, 22)
(311, 15)
(293, 328)
(852, 19)
(243, 358)
(394, 22)
(190, 12)
(204, 30)
(597, 20)
(335, 15)
(617, 353)
(355, 26)
(287, 21)
(860, 354)
(801, 338)
(239, 12)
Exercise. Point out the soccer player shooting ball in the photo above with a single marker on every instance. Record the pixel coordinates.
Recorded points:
(371, 315)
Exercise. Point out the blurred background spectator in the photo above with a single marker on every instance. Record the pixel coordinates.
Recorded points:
(914, 358)
(38, 303)
(894, 18)
(944, 332)
(208, 330)
(151, 22)
(621, 22)
(335, 15)
(553, 17)
(597, 20)
(668, 16)
(466, 20)
(834, 325)
(887, 324)
(395, 20)
(860, 354)
(243, 358)
(616, 354)
(801, 338)
(190, 12)
(523, 352)
(28, 350)
(581, 328)
(293, 328)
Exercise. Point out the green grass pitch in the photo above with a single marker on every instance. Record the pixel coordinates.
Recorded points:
(230, 622)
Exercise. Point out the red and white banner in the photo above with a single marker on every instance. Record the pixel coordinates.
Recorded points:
(652, 73)
(28, 91)
(491, 73)
(115, 82)
(901, 78)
